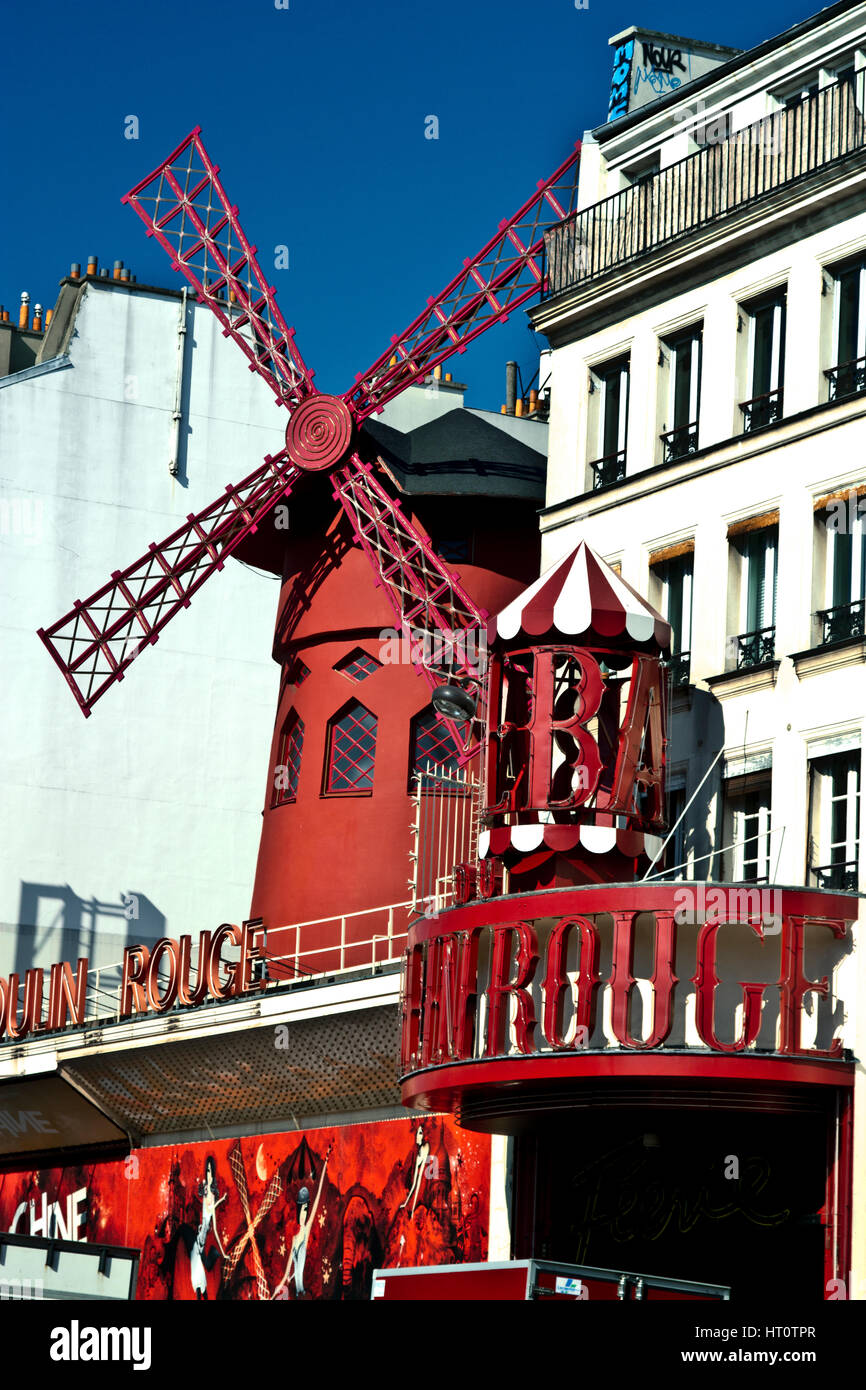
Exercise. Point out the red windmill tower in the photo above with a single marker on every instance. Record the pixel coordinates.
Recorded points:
(183, 204)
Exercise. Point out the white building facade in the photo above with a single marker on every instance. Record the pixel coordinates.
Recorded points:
(707, 315)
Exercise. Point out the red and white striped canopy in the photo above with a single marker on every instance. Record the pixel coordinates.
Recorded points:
(581, 600)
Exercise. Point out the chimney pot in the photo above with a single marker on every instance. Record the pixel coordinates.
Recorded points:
(118, 267)
(75, 270)
(24, 311)
(49, 315)
(510, 387)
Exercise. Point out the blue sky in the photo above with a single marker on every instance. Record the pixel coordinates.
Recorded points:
(316, 115)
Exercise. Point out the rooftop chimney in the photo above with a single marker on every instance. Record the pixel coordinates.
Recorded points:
(24, 311)
(510, 387)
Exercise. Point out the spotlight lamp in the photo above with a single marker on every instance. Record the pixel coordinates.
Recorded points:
(454, 702)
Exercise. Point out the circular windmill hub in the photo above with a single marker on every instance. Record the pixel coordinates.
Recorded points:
(319, 433)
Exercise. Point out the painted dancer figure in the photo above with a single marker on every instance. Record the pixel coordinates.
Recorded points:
(298, 1248)
(200, 1260)
(420, 1169)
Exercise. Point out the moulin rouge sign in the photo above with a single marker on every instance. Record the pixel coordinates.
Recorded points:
(489, 988)
(154, 978)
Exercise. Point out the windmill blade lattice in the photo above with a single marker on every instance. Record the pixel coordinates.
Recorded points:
(505, 275)
(184, 205)
(426, 597)
(97, 640)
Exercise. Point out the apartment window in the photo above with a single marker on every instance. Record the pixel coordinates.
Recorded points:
(790, 103)
(834, 820)
(288, 768)
(675, 854)
(756, 551)
(431, 746)
(764, 320)
(847, 377)
(747, 828)
(684, 393)
(351, 750)
(845, 586)
(673, 578)
(645, 170)
(609, 420)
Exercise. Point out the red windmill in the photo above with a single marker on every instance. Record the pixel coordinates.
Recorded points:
(183, 204)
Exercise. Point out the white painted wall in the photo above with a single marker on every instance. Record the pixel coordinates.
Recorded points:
(159, 792)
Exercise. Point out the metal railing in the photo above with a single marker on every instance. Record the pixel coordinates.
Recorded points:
(323, 946)
(723, 177)
(846, 379)
(761, 411)
(680, 442)
(444, 834)
(754, 648)
(610, 469)
(843, 621)
(679, 666)
(842, 878)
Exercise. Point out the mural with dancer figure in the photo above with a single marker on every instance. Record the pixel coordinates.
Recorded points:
(294, 1216)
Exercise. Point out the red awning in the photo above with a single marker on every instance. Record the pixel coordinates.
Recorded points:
(581, 600)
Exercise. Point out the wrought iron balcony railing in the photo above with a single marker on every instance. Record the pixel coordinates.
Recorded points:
(610, 469)
(842, 878)
(679, 442)
(679, 666)
(761, 411)
(843, 621)
(754, 648)
(846, 379)
(722, 178)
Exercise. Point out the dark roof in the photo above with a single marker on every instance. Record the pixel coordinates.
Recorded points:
(458, 452)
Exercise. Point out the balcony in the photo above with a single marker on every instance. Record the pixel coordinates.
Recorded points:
(679, 666)
(840, 878)
(755, 648)
(610, 469)
(724, 177)
(846, 379)
(761, 411)
(844, 621)
(681, 442)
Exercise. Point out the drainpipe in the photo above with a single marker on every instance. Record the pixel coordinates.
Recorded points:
(178, 385)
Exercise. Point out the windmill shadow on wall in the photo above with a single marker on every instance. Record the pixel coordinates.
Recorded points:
(55, 923)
